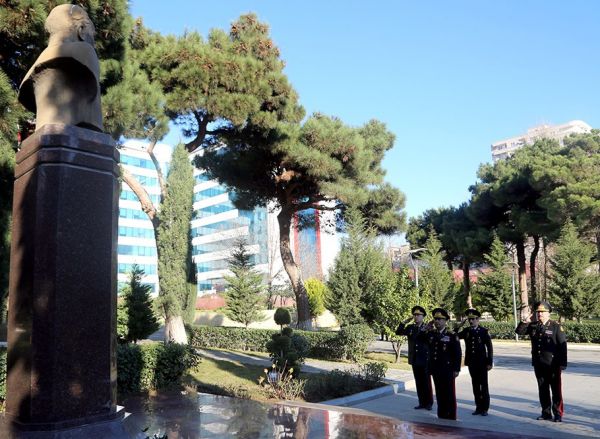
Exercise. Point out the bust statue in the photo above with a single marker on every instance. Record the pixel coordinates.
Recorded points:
(63, 84)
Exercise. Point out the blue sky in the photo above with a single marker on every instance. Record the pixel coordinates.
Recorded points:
(447, 78)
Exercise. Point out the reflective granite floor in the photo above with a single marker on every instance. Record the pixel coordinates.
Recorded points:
(207, 416)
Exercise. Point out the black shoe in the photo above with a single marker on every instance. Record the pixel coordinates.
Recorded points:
(419, 407)
(428, 407)
(476, 412)
(484, 413)
(544, 418)
(558, 419)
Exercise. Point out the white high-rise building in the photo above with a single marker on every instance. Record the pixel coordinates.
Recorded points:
(505, 148)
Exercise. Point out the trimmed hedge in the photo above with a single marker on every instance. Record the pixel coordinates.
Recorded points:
(576, 332)
(149, 366)
(349, 343)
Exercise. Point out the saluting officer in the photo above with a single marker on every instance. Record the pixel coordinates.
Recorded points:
(444, 363)
(418, 351)
(549, 358)
(479, 356)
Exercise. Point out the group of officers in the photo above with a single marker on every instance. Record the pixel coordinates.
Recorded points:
(434, 352)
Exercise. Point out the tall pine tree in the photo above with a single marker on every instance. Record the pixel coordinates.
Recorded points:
(494, 289)
(173, 243)
(435, 280)
(244, 290)
(574, 287)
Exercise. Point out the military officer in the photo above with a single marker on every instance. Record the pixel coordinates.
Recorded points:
(549, 358)
(479, 356)
(418, 351)
(444, 363)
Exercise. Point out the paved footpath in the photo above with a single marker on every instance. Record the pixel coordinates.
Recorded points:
(514, 398)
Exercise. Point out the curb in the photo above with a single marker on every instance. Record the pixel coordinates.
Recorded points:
(357, 398)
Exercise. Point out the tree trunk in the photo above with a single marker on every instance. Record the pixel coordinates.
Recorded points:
(532, 267)
(396, 346)
(175, 330)
(284, 218)
(467, 282)
(598, 248)
(523, 279)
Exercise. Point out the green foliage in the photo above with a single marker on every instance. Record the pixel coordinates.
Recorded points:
(122, 321)
(137, 303)
(574, 289)
(435, 280)
(282, 384)
(282, 317)
(314, 344)
(317, 294)
(339, 383)
(361, 281)
(494, 289)
(152, 366)
(173, 239)
(355, 339)
(244, 289)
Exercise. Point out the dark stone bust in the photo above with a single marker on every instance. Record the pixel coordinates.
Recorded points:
(63, 84)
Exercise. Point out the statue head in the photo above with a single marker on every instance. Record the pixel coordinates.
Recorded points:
(69, 23)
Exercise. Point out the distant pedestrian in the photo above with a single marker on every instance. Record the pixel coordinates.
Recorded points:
(418, 351)
(479, 357)
(444, 363)
(549, 359)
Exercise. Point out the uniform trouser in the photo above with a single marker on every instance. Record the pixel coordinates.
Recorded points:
(423, 383)
(548, 378)
(481, 392)
(445, 395)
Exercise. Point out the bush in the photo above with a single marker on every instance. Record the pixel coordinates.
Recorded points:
(282, 317)
(152, 366)
(317, 294)
(354, 340)
(325, 345)
(575, 332)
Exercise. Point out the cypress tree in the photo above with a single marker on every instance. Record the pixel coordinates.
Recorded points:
(435, 280)
(244, 289)
(173, 241)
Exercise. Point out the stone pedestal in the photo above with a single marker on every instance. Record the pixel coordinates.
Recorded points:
(63, 281)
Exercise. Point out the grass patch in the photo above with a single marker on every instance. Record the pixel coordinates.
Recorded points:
(230, 378)
(389, 360)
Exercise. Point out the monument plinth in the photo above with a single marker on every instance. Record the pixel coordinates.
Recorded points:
(61, 338)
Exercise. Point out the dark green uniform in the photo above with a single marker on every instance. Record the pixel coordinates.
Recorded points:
(444, 360)
(418, 352)
(548, 356)
(479, 354)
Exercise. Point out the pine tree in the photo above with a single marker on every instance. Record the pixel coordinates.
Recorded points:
(244, 298)
(494, 289)
(141, 321)
(435, 280)
(574, 288)
(317, 295)
(173, 242)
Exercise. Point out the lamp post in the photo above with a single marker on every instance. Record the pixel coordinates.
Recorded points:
(514, 266)
(415, 266)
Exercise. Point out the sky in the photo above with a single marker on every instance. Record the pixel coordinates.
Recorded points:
(448, 78)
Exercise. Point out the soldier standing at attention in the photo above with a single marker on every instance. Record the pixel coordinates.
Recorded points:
(418, 351)
(549, 358)
(479, 356)
(444, 363)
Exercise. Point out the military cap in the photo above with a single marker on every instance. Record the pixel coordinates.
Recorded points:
(543, 306)
(418, 310)
(440, 313)
(472, 312)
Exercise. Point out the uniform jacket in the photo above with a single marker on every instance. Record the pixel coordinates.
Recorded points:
(478, 346)
(548, 343)
(418, 349)
(444, 352)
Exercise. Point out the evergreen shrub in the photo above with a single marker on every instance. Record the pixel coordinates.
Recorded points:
(151, 366)
(351, 342)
